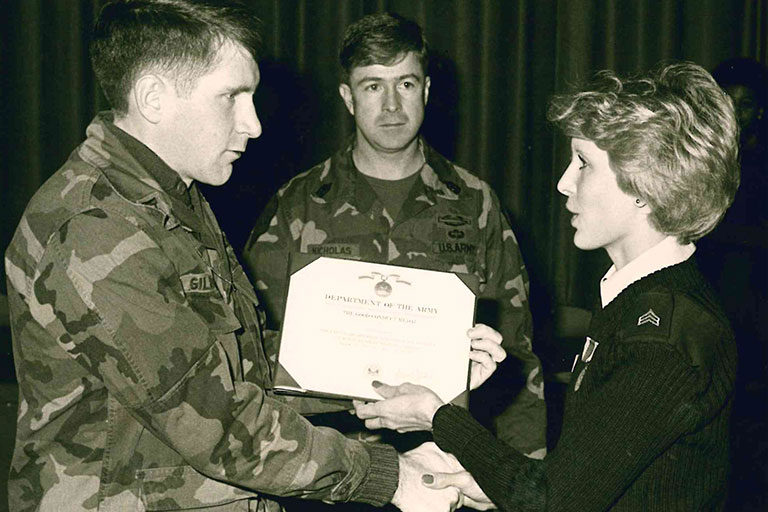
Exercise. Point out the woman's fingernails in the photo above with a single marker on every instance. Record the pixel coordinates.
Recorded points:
(427, 479)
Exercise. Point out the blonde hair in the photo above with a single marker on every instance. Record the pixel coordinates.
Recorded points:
(672, 140)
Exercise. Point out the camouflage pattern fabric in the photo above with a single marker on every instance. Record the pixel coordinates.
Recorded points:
(451, 221)
(137, 341)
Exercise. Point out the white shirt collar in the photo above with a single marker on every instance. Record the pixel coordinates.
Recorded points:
(666, 253)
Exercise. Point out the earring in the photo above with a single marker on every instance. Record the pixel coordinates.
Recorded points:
(639, 203)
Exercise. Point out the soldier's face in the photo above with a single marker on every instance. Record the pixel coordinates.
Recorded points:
(208, 129)
(745, 102)
(387, 103)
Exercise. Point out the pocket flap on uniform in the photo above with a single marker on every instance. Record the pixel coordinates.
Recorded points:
(182, 487)
(218, 315)
(215, 311)
(224, 323)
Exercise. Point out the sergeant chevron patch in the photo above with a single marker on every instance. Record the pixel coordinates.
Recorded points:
(649, 318)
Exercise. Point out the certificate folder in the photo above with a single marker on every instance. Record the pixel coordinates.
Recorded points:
(348, 323)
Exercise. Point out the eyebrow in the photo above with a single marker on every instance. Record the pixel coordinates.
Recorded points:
(412, 76)
(581, 154)
(240, 89)
(578, 149)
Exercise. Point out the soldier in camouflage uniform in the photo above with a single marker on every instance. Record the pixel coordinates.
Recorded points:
(137, 337)
(388, 197)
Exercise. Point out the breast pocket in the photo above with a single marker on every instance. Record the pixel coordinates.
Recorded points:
(224, 327)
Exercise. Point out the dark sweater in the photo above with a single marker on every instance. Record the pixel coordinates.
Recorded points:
(645, 429)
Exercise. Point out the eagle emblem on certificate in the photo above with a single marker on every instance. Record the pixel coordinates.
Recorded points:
(383, 288)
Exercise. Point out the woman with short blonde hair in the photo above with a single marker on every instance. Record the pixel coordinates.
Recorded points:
(646, 424)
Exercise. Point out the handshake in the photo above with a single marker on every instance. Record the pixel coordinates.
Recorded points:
(432, 480)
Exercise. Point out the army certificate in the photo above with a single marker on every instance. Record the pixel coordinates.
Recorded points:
(348, 323)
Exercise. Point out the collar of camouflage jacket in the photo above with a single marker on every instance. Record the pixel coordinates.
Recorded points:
(141, 177)
(342, 182)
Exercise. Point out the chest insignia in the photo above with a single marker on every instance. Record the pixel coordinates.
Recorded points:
(587, 352)
(579, 379)
(589, 349)
(454, 220)
(648, 318)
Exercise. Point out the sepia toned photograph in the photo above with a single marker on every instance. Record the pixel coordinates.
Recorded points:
(399, 255)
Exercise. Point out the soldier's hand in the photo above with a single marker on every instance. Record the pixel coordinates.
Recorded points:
(411, 494)
(472, 495)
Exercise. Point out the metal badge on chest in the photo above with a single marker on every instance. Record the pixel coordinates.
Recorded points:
(587, 353)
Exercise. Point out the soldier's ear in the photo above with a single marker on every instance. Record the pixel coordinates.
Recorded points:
(148, 96)
(427, 83)
(346, 94)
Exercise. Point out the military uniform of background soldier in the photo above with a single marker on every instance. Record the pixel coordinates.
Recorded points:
(388, 197)
(136, 334)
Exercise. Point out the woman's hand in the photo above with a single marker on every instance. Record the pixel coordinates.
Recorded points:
(410, 407)
(405, 408)
(486, 354)
(472, 495)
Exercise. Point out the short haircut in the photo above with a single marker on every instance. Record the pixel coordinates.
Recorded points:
(672, 139)
(383, 39)
(177, 38)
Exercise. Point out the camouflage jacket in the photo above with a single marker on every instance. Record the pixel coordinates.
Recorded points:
(141, 370)
(451, 221)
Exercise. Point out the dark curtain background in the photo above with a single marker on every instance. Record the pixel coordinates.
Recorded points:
(495, 64)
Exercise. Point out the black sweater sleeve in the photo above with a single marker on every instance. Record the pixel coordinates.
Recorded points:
(634, 408)
(506, 476)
